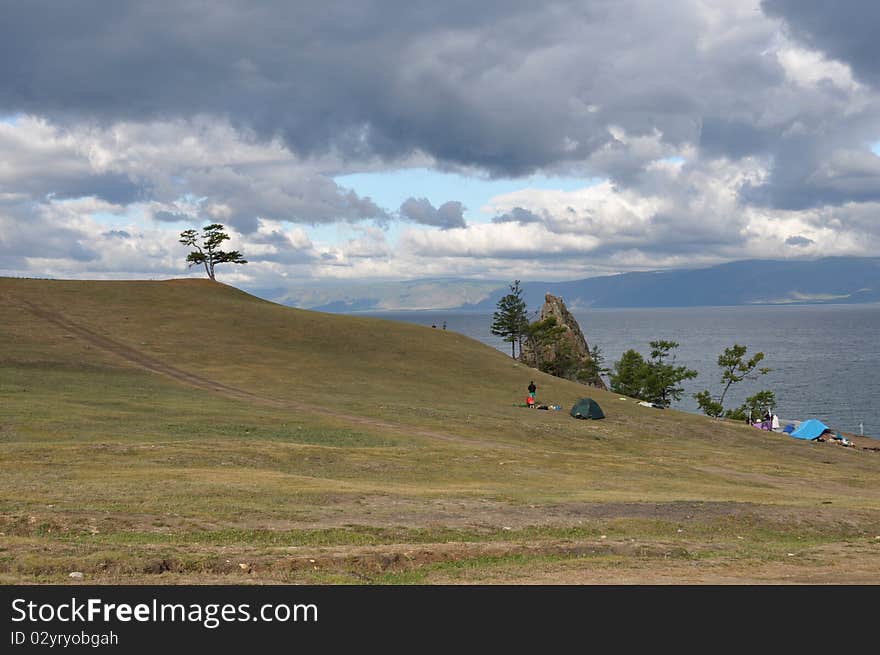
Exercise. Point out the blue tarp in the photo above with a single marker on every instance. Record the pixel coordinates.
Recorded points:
(810, 429)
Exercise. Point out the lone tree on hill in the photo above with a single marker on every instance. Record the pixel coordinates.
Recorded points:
(207, 248)
(511, 320)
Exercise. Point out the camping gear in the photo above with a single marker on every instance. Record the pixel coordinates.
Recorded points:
(587, 408)
(810, 429)
(788, 429)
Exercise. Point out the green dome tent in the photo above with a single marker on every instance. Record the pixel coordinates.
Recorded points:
(587, 408)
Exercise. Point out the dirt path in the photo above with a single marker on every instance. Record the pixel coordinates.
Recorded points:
(140, 359)
(149, 363)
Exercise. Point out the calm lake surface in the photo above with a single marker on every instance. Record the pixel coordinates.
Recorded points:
(825, 358)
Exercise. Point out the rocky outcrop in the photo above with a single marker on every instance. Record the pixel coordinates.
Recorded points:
(566, 354)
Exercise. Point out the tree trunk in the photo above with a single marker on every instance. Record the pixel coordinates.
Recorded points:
(724, 393)
(536, 348)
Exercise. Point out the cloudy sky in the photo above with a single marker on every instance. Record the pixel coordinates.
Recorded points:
(399, 140)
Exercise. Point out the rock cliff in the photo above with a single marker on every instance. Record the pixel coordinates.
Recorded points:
(565, 353)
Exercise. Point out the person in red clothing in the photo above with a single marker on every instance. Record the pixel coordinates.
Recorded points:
(532, 389)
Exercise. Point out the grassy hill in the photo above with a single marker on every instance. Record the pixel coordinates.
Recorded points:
(185, 431)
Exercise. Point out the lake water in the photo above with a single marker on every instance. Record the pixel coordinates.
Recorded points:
(825, 359)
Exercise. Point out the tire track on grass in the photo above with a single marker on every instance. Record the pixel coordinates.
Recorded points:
(154, 365)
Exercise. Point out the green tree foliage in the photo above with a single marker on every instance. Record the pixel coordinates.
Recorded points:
(734, 369)
(754, 406)
(655, 380)
(628, 374)
(556, 355)
(543, 334)
(592, 370)
(510, 321)
(207, 248)
(661, 385)
(708, 404)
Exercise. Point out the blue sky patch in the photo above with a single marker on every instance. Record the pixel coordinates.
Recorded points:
(390, 189)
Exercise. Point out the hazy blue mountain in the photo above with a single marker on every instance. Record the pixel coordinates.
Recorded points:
(343, 296)
(828, 280)
(769, 282)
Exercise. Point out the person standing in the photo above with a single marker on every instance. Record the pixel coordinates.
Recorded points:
(532, 389)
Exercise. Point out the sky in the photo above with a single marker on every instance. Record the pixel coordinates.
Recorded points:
(402, 140)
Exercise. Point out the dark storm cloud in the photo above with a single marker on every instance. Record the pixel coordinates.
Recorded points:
(52, 167)
(805, 177)
(607, 88)
(733, 138)
(114, 188)
(506, 86)
(509, 87)
(192, 170)
(25, 235)
(274, 238)
(420, 210)
(304, 197)
(844, 30)
(173, 217)
(286, 257)
(517, 215)
(316, 73)
(284, 250)
(65, 185)
(798, 241)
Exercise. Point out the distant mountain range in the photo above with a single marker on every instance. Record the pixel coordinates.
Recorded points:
(749, 282)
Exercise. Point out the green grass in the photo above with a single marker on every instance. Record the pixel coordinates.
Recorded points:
(354, 434)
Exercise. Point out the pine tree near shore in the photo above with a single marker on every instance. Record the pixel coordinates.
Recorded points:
(510, 321)
(736, 368)
(655, 380)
